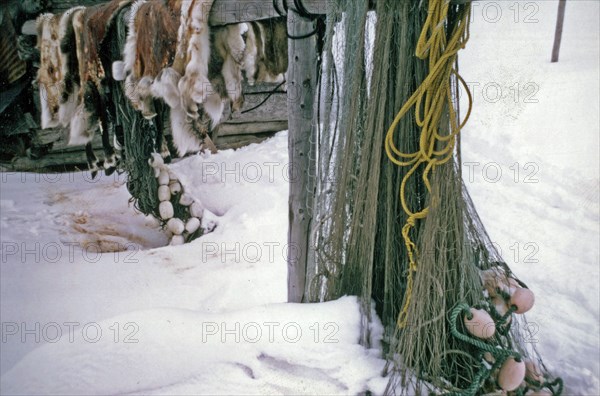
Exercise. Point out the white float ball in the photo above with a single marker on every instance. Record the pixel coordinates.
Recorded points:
(175, 188)
(186, 199)
(163, 178)
(177, 240)
(176, 226)
(197, 209)
(156, 161)
(192, 225)
(166, 210)
(164, 193)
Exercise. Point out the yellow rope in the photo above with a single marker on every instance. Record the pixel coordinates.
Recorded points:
(430, 99)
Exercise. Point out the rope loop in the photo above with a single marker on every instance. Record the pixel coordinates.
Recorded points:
(430, 101)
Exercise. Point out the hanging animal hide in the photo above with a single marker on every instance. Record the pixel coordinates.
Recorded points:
(94, 111)
(171, 54)
(71, 77)
(166, 56)
(266, 57)
(57, 87)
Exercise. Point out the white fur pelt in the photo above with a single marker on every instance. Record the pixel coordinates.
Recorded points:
(231, 46)
(50, 75)
(250, 67)
(121, 68)
(54, 67)
(137, 90)
(194, 86)
(165, 87)
(183, 94)
(255, 69)
(183, 136)
(49, 50)
(80, 132)
(67, 108)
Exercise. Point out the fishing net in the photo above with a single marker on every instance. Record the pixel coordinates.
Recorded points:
(140, 139)
(400, 230)
(138, 135)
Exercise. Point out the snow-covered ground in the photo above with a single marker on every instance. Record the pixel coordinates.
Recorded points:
(209, 317)
(531, 161)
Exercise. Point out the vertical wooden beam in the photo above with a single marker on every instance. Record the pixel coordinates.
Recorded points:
(302, 82)
(559, 28)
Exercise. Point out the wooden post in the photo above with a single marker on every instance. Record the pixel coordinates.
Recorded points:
(559, 28)
(302, 82)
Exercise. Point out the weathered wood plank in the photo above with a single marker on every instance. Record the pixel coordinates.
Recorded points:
(274, 109)
(232, 11)
(302, 81)
(59, 6)
(221, 13)
(261, 104)
(64, 160)
(250, 128)
(238, 141)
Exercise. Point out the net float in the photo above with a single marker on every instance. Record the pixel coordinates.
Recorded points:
(156, 161)
(512, 374)
(166, 211)
(177, 240)
(164, 193)
(192, 225)
(163, 178)
(480, 324)
(175, 187)
(197, 209)
(176, 226)
(523, 299)
(186, 199)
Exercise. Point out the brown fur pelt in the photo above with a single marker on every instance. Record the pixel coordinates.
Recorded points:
(266, 57)
(225, 71)
(166, 56)
(71, 75)
(171, 54)
(94, 112)
(90, 26)
(56, 81)
(150, 48)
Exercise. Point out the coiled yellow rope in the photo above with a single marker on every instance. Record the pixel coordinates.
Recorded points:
(432, 97)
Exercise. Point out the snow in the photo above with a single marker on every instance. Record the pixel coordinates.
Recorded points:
(207, 317)
(92, 303)
(531, 162)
